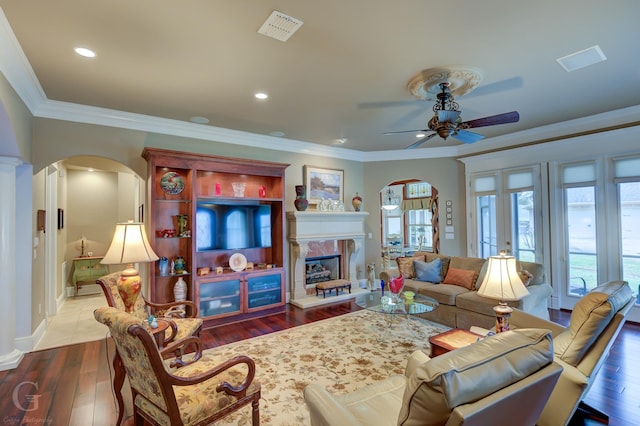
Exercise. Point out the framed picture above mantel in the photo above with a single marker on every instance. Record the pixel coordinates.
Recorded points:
(323, 183)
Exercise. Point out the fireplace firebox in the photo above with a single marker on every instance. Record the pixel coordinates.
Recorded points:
(322, 268)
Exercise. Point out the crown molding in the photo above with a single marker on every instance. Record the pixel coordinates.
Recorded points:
(18, 72)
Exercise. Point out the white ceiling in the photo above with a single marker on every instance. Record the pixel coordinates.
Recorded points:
(343, 74)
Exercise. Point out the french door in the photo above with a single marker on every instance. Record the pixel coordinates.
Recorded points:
(598, 227)
(506, 213)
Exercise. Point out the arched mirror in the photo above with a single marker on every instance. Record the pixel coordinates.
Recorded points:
(409, 219)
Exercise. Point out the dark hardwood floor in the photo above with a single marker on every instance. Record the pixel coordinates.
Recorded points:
(71, 385)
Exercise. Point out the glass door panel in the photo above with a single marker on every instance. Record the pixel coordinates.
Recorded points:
(580, 210)
(523, 230)
(487, 230)
(629, 207)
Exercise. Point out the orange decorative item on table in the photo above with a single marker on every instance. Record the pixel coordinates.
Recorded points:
(129, 246)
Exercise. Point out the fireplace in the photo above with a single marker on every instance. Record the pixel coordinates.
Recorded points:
(322, 268)
(324, 246)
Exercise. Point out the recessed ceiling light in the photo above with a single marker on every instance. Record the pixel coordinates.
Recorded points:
(420, 135)
(89, 169)
(277, 133)
(199, 120)
(261, 95)
(83, 51)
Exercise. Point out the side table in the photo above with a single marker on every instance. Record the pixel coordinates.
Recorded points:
(452, 339)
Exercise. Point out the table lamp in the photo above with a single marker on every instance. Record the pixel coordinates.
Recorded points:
(502, 282)
(130, 245)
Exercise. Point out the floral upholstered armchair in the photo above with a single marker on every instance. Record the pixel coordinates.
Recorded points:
(180, 327)
(201, 392)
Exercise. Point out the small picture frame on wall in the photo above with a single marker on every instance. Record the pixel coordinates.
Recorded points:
(60, 218)
(321, 183)
(41, 218)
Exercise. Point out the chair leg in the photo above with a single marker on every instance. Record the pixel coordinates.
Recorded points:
(255, 412)
(588, 412)
(118, 381)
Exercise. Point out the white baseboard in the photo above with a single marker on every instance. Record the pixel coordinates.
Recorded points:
(11, 361)
(28, 343)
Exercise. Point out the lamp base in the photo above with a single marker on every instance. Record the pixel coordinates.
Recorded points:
(503, 312)
(129, 286)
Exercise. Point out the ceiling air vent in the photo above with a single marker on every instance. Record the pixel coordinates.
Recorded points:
(581, 59)
(280, 26)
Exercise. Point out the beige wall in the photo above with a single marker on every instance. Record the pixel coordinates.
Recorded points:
(56, 140)
(15, 134)
(446, 174)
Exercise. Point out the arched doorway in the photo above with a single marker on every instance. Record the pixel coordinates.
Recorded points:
(85, 197)
(409, 219)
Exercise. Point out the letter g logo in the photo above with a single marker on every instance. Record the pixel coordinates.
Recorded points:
(32, 399)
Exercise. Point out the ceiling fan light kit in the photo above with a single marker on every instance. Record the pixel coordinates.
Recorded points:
(440, 84)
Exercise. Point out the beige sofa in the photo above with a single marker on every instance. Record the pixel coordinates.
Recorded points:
(460, 305)
(504, 379)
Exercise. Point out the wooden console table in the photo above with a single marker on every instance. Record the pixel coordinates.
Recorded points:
(87, 269)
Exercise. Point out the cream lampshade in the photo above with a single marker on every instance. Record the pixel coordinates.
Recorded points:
(502, 282)
(130, 245)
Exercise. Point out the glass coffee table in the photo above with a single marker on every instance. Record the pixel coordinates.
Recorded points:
(394, 308)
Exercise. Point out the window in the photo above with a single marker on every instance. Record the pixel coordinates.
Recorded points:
(506, 210)
(487, 236)
(581, 251)
(419, 229)
(627, 180)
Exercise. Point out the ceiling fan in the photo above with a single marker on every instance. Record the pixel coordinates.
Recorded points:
(447, 121)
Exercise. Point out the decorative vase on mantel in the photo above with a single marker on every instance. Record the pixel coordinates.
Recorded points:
(301, 201)
(356, 202)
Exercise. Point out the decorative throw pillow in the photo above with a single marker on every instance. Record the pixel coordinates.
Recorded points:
(405, 265)
(428, 271)
(525, 276)
(461, 277)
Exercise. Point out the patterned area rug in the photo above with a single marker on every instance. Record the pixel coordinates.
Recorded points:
(343, 353)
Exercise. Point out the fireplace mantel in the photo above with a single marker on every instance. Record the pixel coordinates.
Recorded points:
(307, 226)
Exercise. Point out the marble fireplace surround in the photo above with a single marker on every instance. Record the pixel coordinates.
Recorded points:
(314, 233)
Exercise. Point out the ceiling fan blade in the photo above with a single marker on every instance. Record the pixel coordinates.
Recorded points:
(407, 131)
(507, 117)
(420, 141)
(445, 116)
(466, 136)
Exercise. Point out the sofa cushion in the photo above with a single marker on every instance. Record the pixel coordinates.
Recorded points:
(428, 271)
(472, 372)
(445, 294)
(462, 277)
(428, 257)
(525, 276)
(471, 264)
(405, 265)
(535, 269)
(590, 316)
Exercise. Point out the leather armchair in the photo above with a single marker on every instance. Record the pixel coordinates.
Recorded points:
(201, 392)
(582, 347)
(501, 380)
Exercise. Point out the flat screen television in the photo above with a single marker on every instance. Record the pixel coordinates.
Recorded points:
(232, 226)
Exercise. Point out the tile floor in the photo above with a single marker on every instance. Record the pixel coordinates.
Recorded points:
(74, 323)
